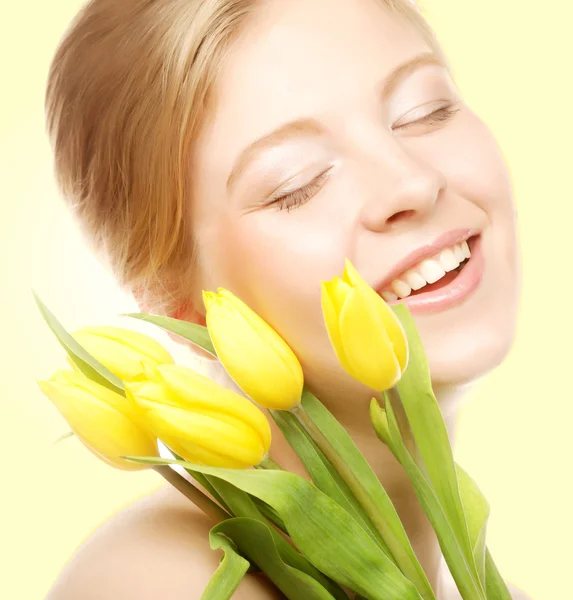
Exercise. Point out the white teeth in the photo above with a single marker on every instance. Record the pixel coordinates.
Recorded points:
(400, 288)
(427, 271)
(466, 249)
(459, 253)
(414, 279)
(431, 270)
(448, 260)
(389, 296)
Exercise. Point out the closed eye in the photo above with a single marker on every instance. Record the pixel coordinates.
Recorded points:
(434, 118)
(298, 197)
(303, 194)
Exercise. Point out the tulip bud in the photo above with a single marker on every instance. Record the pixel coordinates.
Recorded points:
(103, 420)
(254, 355)
(379, 420)
(366, 335)
(203, 422)
(121, 350)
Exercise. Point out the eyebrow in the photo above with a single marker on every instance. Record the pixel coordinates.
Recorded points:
(309, 125)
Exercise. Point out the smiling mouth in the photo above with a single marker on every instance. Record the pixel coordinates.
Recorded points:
(431, 273)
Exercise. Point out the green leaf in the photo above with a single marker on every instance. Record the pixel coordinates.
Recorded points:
(476, 509)
(230, 572)
(323, 475)
(197, 334)
(242, 505)
(477, 512)
(204, 481)
(88, 365)
(430, 433)
(456, 560)
(388, 523)
(323, 531)
(239, 503)
(496, 587)
(64, 436)
(255, 540)
(269, 513)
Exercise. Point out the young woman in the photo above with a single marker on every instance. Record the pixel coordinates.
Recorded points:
(255, 145)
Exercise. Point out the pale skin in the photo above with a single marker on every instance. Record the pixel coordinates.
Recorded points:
(395, 183)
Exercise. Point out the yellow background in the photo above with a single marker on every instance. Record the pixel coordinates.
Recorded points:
(512, 60)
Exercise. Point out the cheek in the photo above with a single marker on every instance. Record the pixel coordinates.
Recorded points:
(475, 167)
(476, 172)
(274, 261)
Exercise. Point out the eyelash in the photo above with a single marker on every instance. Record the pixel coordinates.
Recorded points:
(298, 197)
(438, 116)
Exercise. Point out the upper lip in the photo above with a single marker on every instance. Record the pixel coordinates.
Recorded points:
(450, 238)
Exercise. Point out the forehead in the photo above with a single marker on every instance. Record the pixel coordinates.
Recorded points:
(296, 59)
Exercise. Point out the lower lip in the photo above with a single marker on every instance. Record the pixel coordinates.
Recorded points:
(455, 292)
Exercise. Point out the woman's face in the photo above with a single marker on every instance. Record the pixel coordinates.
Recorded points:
(385, 162)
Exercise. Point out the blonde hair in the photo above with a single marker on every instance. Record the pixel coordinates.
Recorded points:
(128, 88)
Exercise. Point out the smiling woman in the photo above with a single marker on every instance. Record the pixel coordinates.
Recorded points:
(258, 145)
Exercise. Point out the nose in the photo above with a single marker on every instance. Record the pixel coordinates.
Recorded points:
(405, 187)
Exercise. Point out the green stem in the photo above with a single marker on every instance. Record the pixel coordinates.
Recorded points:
(190, 491)
(403, 424)
(269, 463)
(349, 478)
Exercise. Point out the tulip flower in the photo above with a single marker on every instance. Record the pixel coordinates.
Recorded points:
(103, 420)
(121, 350)
(200, 420)
(258, 360)
(367, 337)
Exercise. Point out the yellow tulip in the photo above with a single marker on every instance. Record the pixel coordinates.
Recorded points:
(121, 350)
(258, 360)
(103, 420)
(200, 420)
(367, 337)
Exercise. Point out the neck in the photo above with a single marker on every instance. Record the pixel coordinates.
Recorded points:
(389, 471)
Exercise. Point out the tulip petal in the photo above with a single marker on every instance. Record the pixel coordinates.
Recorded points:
(75, 380)
(237, 442)
(137, 341)
(267, 334)
(367, 345)
(253, 354)
(390, 321)
(351, 276)
(199, 455)
(394, 329)
(150, 371)
(208, 298)
(120, 360)
(331, 318)
(103, 429)
(121, 350)
(196, 392)
(338, 292)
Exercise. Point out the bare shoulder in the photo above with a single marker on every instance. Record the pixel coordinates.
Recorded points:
(156, 548)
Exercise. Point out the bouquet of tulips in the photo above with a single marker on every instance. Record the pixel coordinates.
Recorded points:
(334, 537)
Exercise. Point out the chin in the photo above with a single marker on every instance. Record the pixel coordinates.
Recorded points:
(469, 360)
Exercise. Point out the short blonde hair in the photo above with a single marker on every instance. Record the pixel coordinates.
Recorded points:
(127, 91)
